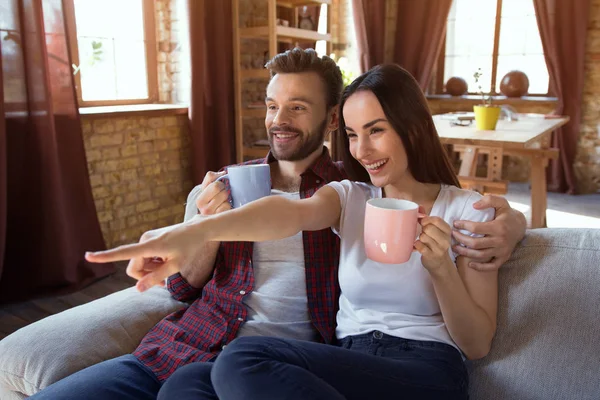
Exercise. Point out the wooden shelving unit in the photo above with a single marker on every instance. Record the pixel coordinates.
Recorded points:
(274, 34)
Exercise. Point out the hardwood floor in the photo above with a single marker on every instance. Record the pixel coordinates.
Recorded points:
(15, 316)
(563, 211)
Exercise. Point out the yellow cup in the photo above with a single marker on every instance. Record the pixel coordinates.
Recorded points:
(486, 117)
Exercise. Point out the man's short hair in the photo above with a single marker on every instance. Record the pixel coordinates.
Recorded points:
(300, 60)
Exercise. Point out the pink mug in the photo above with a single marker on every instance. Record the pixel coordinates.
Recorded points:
(390, 229)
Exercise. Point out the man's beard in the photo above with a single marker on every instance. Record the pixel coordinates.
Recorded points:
(314, 142)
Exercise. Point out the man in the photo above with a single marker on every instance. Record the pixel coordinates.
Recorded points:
(283, 288)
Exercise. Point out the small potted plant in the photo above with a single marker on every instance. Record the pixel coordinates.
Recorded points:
(486, 114)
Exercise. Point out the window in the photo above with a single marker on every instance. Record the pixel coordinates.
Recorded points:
(321, 45)
(497, 36)
(114, 54)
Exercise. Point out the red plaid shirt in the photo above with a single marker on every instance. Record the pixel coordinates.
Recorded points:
(199, 332)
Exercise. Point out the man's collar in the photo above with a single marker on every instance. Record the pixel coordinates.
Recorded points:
(323, 166)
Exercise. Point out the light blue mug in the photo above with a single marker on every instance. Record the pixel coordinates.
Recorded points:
(248, 183)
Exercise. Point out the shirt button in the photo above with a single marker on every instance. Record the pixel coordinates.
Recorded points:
(377, 335)
(240, 319)
(223, 347)
(242, 292)
(318, 181)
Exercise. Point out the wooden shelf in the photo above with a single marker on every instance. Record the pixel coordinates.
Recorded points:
(284, 32)
(256, 151)
(262, 73)
(275, 35)
(300, 3)
(254, 112)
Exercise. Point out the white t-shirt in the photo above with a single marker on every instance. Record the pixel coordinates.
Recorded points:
(278, 305)
(396, 299)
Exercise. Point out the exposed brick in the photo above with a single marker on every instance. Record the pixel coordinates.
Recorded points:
(129, 163)
(106, 166)
(150, 159)
(129, 150)
(171, 121)
(110, 153)
(128, 175)
(146, 206)
(103, 126)
(96, 180)
(174, 144)
(86, 126)
(125, 211)
(161, 191)
(101, 192)
(131, 198)
(117, 225)
(145, 147)
(114, 202)
(132, 221)
(126, 124)
(146, 194)
(114, 139)
(105, 216)
(156, 122)
(152, 170)
(160, 145)
(93, 155)
(150, 217)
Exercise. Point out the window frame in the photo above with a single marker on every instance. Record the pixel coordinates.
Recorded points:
(151, 56)
(441, 62)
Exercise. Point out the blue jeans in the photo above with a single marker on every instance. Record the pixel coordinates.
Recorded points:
(369, 366)
(126, 378)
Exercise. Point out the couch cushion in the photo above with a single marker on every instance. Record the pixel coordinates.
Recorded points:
(57, 346)
(547, 344)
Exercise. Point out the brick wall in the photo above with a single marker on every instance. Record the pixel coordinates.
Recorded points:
(173, 51)
(140, 173)
(587, 163)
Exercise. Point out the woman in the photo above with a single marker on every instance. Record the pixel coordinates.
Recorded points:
(403, 331)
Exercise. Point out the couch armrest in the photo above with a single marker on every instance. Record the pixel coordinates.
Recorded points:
(57, 346)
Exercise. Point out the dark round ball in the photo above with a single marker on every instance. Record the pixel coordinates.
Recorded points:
(514, 84)
(456, 86)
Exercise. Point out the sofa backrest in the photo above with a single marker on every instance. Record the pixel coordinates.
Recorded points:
(547, 344)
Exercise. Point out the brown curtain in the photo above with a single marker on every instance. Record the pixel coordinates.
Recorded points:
(212, 123)
(47, 214)
(563, 29)
(369, 22)
(420, 32)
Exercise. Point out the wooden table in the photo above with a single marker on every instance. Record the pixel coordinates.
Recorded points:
(528, 136)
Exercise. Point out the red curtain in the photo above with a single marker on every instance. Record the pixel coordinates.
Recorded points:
(420, 32)
(47, 214)
(369, 22)
(212, 123)
(563, 29)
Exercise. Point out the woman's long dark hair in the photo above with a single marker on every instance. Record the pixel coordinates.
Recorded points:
(406, 109)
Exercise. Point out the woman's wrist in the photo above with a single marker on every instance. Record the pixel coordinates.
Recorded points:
(445, 269)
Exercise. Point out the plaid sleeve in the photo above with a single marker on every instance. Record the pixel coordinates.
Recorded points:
(181, 290)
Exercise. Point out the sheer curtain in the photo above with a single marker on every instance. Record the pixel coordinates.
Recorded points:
(563, 29)
(47, 214)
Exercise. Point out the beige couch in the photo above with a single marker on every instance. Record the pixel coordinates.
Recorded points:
(547, 345)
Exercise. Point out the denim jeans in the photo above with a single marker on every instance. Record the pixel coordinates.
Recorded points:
(126, 378)
(368, 366)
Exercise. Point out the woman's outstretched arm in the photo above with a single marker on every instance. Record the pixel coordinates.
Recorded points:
(274, 217)
(269, 218)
